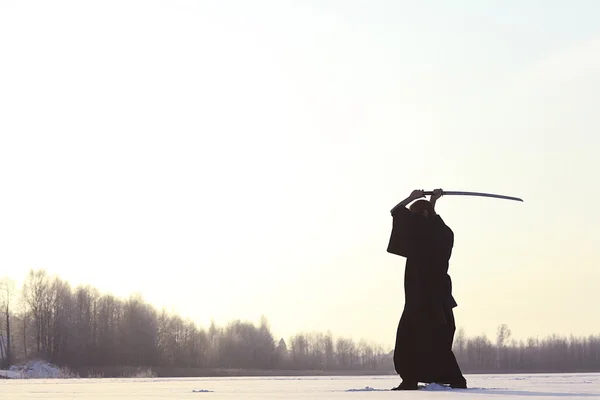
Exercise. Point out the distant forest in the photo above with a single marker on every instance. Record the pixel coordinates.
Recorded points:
(100, 334)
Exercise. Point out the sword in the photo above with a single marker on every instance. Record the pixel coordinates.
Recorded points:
(498, 196)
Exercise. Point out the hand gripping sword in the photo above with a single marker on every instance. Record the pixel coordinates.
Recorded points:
(498, 196)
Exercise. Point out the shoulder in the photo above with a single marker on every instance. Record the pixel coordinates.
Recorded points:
(403, 214)
(409, 221)
(438, 219)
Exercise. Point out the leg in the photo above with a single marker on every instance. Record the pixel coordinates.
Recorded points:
(457, 378)
(404, 359)
(449, 371)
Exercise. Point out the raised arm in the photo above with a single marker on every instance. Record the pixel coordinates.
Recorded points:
(405, 227)
(437, 193)
(416, 194)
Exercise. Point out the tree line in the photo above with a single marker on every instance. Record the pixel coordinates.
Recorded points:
(554, 353)
(82, 329)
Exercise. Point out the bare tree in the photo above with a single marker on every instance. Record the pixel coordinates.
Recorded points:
(138, 332)
(459, 345)
(299, 350)
(7, 291)
(35, 293)
(60, 322)
(84, 343)
(330, 358)
(502, 336)
(316, 350)
(25, 319)
(346, 350)
(366, 353)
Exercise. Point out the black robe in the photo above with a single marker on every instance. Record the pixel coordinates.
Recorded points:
(423, 351)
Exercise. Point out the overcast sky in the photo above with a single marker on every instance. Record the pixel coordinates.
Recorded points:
(228, 159)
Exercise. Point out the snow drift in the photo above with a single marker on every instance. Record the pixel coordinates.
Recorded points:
(36, 369)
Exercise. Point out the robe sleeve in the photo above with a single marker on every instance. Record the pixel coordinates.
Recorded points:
(445, 240)
(406, 232)
(439, 283)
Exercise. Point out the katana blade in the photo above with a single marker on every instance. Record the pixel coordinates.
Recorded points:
(498, 196)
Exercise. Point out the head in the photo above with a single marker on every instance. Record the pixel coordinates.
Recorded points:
(422, 207)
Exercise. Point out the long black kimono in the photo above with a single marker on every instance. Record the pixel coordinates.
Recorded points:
(423, 351)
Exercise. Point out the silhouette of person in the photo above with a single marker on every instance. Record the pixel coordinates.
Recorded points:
(423, 349)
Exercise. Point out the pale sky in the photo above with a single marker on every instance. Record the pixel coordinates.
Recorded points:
(228, 159)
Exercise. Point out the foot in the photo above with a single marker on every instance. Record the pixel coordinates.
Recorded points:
(459, 384)
(407, 386)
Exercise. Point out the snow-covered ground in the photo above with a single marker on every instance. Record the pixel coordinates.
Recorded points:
(482, 387)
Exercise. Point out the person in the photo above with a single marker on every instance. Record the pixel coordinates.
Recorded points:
(423, 349)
